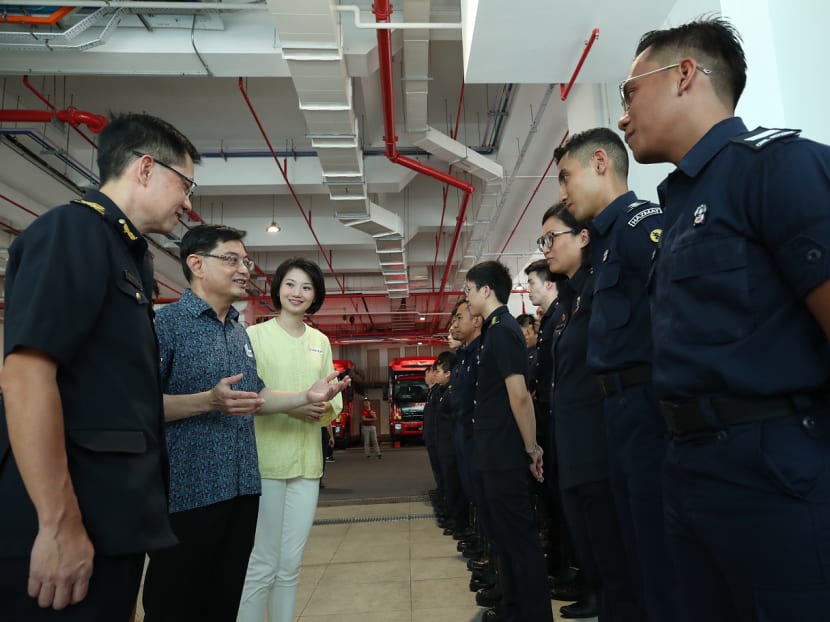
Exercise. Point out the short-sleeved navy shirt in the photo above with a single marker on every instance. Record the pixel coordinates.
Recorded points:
(213, 456)
(624, 237)
(77, 288)
(463, 383)
(496, 437)
(746, 238)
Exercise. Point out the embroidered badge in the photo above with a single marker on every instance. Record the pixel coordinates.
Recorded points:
(605, 256)
(700, 214)
(654, 236)
(652, 211)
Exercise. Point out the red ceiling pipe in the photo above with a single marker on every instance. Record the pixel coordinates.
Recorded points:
(49, 20)
(564, 90)
(16, 204)
(535, 190)
(383, 10)
(72, 116)
(42, 98)
(306, 217)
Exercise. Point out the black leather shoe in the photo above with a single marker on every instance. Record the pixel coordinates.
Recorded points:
(569, 592)
(462, 545)
(448, 531)
(478, 564)
(585, 608)
(472, 553)
(488, 597)
(492, 615)
(463, 534)
(477, 584)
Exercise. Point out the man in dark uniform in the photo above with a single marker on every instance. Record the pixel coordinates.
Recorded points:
(741, 315)
(593, 171)
(542, 291)
(83, 469)
(504, 441)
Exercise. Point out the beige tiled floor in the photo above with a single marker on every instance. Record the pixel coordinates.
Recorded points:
(385, 570)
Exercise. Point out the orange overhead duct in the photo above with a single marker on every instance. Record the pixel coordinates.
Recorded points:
(49, 20)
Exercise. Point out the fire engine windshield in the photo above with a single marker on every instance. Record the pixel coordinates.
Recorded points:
(410, 391)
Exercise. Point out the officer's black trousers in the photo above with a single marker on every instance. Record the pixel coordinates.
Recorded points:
(592, 520)
(748, 520)
(524, 580)
(637, 443)
(113, 590)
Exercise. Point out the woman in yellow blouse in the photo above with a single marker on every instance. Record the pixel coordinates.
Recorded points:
(288, 354)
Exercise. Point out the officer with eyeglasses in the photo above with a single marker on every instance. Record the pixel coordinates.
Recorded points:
(740, 298)
(83, 468)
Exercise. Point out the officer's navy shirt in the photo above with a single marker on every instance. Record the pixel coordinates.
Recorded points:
(623, 239)
(496, 438)
(463, 383)
(577, 404)
(213, 456)
(747, 237)
(77, 288)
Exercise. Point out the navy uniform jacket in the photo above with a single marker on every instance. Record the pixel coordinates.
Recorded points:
(542, 373)
(430, 429)
(578, 419)
(746, 238)
(463, 384)
(78, 287)
(496, 439)
(624, 237)
(445, 422)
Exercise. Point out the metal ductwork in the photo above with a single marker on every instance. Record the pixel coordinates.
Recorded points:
(312, 46)
(489, 174)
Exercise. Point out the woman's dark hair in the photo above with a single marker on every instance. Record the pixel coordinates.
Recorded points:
(559, 211)
(314, 273)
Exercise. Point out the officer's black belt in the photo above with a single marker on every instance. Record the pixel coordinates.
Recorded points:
(687, 417)
(613, 383)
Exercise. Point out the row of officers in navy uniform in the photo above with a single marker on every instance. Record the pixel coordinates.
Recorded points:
(680, 388)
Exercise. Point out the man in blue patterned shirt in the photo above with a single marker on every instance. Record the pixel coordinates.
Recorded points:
(211, 393)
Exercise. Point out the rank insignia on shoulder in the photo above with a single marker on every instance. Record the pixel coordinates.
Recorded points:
(654, 236)
(760, 137)
(640, 216)
(634, 206)
(494, 321)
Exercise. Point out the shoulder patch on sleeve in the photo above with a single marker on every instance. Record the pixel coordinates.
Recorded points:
(760, 137)
(640, 216)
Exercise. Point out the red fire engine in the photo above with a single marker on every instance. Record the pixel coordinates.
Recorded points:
(407, 396)
(341, 425)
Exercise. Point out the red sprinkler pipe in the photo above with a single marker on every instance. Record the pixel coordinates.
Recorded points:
(306, 217)
(42, 98)
(533, 194)
(72, 116)
(383, 10)
(564, 90)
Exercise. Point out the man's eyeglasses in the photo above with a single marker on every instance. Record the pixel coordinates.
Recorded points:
(233, 260)
(546, 241)
(625, 96)
(190, 184)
